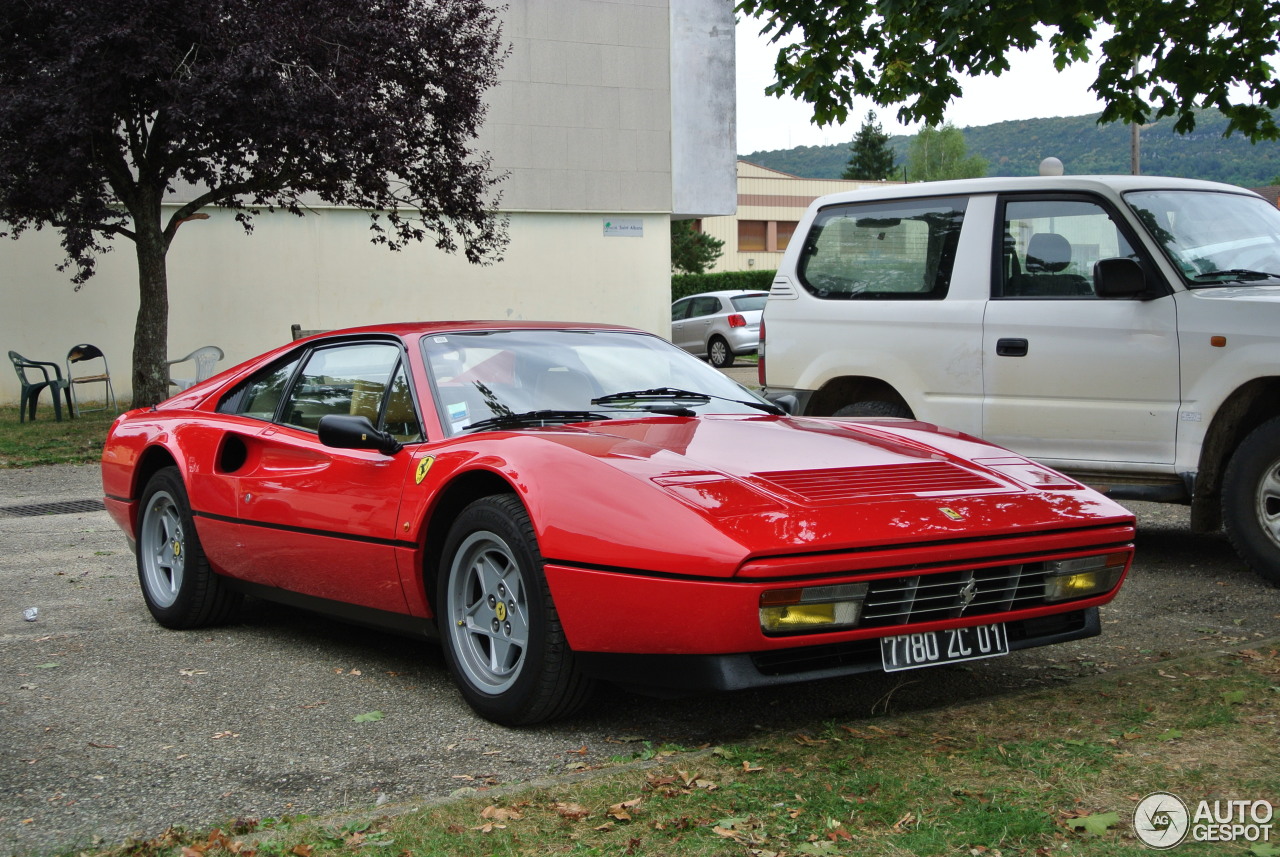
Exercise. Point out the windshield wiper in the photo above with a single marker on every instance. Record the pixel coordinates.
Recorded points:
(676, 396)
(1232, 274)
(535, 418)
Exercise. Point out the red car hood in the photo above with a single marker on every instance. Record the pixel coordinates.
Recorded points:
(776, 486)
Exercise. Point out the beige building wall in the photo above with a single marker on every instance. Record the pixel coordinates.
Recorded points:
(582, 121)
(770, 203)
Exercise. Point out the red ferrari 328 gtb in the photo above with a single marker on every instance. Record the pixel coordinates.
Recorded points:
(565, 504)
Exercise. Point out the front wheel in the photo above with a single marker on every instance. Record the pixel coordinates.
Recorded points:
(1251, 500)
(180, 588)
(502, 637)
(719, 354)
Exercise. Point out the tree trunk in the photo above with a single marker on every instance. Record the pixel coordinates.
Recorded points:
(151, 334)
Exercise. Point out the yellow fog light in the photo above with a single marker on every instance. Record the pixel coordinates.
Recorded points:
(1082, 576)
(814, 608)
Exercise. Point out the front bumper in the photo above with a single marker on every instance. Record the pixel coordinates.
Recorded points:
(675, 675)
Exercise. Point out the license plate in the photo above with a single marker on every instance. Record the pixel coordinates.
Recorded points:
(948, 646)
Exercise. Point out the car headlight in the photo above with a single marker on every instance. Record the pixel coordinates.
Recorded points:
(1083, 576)
(813, 608)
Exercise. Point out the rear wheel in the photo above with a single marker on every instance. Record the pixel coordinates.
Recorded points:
(1251, 500)
(719, 354)
(875, 408)
(502, 637)
(180, 589)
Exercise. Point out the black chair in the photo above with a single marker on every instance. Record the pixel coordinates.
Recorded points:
(31, 389)
(80, 354)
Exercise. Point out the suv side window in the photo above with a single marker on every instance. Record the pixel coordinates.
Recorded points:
(898, 250)
(1051, 245)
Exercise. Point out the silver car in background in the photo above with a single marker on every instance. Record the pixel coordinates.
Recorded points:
(718, 325)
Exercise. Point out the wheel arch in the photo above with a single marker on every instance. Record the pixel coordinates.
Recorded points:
(153, 460)
(848, 389)
(464, 489)
(1248, 407)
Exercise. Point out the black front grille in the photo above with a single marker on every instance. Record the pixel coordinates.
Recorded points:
(952, 594)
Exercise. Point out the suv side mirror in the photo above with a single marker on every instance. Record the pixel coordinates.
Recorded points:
(348, 432)
(1119, 278)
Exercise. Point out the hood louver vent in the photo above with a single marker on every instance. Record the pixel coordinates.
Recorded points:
(843, 485)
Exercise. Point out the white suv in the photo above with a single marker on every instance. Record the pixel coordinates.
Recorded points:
(1124, 330)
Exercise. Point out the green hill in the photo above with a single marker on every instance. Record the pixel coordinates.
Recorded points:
(1016, 148)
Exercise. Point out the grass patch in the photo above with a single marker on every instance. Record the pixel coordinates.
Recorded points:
(1050, 772)
(47, 441)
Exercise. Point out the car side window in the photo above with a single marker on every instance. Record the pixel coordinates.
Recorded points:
(259, 397)
(400, 417)
(704, 306)
(344, 379)
(680, 309)
(1051, 245)
(898, 250)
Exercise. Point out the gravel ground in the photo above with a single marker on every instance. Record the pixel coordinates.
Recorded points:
(114, 727)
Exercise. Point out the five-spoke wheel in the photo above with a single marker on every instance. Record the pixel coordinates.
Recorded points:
(502, 636)
(180, 589)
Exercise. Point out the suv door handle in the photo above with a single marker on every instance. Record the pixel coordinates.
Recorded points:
(1011, 347)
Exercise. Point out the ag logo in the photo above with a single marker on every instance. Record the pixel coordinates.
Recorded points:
(423, 466)
(1161, 820)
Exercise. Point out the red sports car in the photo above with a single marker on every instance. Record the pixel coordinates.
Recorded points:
(564, 504)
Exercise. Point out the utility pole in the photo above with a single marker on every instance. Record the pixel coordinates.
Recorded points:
(1135, 146)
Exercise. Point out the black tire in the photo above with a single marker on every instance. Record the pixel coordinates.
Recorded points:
(502, 637)
(1251, 500)
(180, 589)
(875, 408)
(719, 354)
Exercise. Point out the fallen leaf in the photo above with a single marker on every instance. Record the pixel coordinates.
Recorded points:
(572, 811)
(217, 736)
(1094, 825)
(751, 768)
(621, 811)
(369, 717)
(493, 812)
(192, 672)
(50, 666)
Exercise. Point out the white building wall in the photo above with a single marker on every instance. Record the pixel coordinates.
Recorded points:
(582, 121)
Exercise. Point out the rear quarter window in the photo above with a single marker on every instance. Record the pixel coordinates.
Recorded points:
(899, 250)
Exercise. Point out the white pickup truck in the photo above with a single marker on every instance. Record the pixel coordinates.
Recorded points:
(1124, 330)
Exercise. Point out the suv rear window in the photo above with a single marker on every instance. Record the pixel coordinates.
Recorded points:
(898, 250)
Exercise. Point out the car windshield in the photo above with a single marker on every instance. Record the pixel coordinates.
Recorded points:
(1213, 238)
(519, 378)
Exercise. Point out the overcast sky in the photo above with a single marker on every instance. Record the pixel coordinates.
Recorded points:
(1030, 89)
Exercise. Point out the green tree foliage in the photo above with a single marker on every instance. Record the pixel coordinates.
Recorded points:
(1015, 148)
(937, 154)
(692, 251)
(105, 106)
(870, 157)
(1160, 59)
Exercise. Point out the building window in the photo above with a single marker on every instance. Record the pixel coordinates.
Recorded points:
(786, 228)
(752, 235)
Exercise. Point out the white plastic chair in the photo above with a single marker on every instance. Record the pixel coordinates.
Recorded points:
(204, 357)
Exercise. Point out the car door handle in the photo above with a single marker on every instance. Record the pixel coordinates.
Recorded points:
(1011, 347)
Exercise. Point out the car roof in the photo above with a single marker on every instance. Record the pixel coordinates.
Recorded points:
(723, 293)
(1107, 185)
(418, 328)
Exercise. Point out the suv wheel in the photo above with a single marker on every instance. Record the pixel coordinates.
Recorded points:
(1251, 500)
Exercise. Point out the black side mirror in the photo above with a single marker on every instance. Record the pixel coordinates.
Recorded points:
(348, 432)
(788, 403)
(1119, 278)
